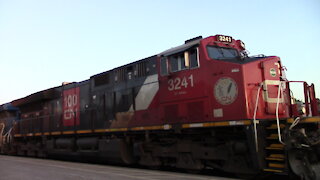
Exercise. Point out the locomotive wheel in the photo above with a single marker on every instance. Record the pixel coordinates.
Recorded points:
(41, 153)
(186, 161)
(300, 164)
(21, 150)
(127, 152)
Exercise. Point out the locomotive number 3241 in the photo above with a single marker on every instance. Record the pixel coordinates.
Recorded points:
(178, 83)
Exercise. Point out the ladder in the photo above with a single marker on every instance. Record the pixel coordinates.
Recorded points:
(275, 156)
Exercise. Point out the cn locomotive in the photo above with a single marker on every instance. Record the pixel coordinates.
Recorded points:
(203, 105)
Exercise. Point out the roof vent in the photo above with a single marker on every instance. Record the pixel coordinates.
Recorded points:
(193, 39)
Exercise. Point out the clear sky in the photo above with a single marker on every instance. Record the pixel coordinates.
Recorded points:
(43, 43)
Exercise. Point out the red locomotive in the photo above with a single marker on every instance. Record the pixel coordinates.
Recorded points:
(204, 104)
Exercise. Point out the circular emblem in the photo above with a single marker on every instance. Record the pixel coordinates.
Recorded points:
(273, 72)
(225, 91)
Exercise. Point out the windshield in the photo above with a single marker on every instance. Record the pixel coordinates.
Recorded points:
(222, 53)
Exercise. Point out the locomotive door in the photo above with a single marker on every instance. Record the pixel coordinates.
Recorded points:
(271, 82)
(47, 113)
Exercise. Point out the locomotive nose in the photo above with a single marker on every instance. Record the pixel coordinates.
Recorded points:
(273, 86)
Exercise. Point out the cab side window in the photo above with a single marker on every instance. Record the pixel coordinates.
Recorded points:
(164, 66)
(179, 61)
(194, 63)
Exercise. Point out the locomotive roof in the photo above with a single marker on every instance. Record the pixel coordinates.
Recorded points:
(126, 65)
(188, 44)
(38, 96)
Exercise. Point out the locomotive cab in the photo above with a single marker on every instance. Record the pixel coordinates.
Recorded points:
(218, 73)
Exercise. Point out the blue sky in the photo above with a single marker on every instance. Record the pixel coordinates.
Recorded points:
(43, 43)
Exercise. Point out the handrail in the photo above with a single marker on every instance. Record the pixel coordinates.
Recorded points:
(311, 105)
(306, 98)
(277, 112)
(313, 101)
(254, 118)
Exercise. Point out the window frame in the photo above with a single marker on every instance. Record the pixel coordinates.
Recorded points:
(165, 59)
(221, 59)
(169, 71)
(198, 59)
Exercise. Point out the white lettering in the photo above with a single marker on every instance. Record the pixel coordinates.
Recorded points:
(178, 83)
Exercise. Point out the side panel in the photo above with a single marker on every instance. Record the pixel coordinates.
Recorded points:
(85, 107)
(126, 96)
(56, 116)
(146, 102)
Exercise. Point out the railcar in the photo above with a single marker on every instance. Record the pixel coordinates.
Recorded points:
(8, 116)
(203, 105)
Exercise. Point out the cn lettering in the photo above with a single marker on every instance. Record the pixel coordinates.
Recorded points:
(70, 102)
(71, 107)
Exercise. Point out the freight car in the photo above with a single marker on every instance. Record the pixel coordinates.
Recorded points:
(204, 104)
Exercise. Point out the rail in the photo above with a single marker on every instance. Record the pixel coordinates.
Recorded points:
(311, 105)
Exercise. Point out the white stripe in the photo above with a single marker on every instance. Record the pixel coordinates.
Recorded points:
(147, 92)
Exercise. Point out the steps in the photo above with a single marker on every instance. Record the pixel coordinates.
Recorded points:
(276, 146)
(275, 159)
